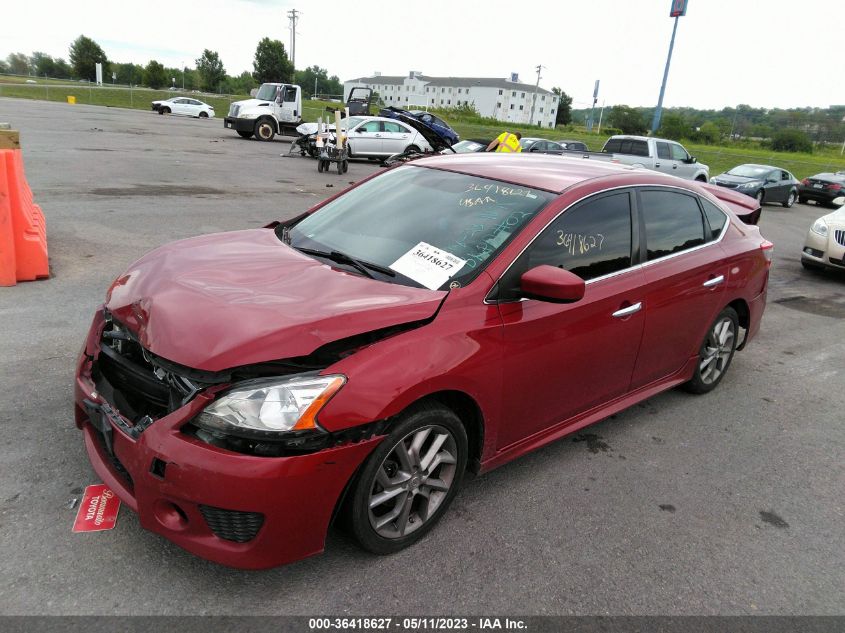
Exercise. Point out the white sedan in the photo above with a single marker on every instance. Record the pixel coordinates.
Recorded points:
(184, 106)
(381, 137)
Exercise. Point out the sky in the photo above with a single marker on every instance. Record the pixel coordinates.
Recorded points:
(770, 54)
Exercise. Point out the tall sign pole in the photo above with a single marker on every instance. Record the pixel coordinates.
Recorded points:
(593, 107)
(679, 8)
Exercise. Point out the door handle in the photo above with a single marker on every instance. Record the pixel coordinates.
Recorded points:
(656, 165)
(378, 135)
(675, 166)
(628, 311)
(714, 282)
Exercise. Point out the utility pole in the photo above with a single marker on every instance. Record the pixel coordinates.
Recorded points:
(293, 16)
(534, 100)
(679, 8)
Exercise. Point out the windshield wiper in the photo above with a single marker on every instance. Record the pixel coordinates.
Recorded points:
(342, 258)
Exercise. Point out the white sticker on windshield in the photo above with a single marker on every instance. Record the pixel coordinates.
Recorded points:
(428, 265)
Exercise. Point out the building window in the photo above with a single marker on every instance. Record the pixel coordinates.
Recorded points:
(500, 92)
(499, 105)
(511, 106)
(449, 102)
(552, 111)
(513, 94)
(521, 107)
(523, 95)
(443, 90)
(541, 110)
(432, 102)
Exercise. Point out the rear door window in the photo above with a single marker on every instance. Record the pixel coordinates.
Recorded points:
(663, 150)
(673, 222)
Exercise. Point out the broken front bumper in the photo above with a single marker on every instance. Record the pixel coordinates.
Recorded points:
(235, 509)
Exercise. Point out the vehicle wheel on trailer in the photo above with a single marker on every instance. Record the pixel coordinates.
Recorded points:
(409, 480)
(203, 115)
(759, 197)
(264, 130)
(245, 134)
(716, 353)
(790, 200)
(164, 111)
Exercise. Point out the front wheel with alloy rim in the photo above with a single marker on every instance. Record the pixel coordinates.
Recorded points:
(265, 130)
(409, 480)
(790, 200)
(716, 353)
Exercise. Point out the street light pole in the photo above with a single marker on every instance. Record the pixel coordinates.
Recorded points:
(679, 9)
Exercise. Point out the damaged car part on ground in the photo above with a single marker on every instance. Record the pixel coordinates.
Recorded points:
(239, 390)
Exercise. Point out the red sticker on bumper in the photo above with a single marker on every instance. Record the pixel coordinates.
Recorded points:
(98, 510)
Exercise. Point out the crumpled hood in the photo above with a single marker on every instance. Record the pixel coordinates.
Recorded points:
(231, 299)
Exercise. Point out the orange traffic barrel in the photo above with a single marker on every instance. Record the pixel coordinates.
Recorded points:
(23, 232)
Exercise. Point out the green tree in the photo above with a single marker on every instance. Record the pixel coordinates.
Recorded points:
(674, 126)
(564, 107)
(791, 141)
(627, 119)
(84, 55)
(210, 70)
(271, 62)
(3, 67)
(155, 76)
(128, 73)
(240, 85)
(709, 133)
(311, 76)
(42, 64)
(18, 64)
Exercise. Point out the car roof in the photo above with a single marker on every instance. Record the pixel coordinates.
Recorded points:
(540, 171)
(757, 165)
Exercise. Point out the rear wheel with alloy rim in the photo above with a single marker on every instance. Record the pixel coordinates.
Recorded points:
(716, 353)
(410, 479)
(790, 200)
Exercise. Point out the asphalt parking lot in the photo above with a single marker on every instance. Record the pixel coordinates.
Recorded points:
(729, 503)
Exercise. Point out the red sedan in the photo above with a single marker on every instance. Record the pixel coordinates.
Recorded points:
(240, 390)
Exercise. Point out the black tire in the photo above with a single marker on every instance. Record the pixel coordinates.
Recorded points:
(802, 200)
(264, 130)
(164, 110)
(790, 200)
(716, 353)
(245, 134)
(760, 196)
(320, 163)
(410, 426)
(412, 149)
(348, 150)
(203, 115)
(345, 166)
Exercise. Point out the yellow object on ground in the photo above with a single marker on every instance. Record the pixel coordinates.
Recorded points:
(71, 99)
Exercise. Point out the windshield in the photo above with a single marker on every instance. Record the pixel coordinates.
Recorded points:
(416, 212)
(464, 147)
(267, 92)
(749, 171)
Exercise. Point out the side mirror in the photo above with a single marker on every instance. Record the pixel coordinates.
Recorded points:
(548, 283)
(359, 130)
(692, 159)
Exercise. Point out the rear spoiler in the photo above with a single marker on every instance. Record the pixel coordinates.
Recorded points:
(746, 207)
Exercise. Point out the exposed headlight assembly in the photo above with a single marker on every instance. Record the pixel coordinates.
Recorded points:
(269, 408)
(819, 227)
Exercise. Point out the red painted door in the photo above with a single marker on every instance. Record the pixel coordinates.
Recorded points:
(562, 359)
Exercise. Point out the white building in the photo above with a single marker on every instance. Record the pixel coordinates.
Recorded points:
(502, 99)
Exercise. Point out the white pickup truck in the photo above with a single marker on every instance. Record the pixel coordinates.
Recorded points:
(276, 108)
(658, 154)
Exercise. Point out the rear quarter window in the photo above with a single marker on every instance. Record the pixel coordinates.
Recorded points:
(612, 146)
(716, 219)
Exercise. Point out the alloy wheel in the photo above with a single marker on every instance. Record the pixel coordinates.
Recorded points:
(412, 481)
(717, 350)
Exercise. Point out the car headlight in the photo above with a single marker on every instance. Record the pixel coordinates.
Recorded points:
(749, 185)
(819, 227)
(265, 408)
(248, 115)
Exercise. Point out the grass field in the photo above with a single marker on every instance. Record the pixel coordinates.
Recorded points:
(719, 158)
